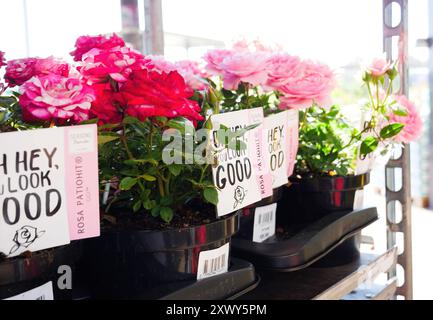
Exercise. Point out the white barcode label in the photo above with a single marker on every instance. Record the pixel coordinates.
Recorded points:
(44, 292)
(213, 262)
(358, 202)
(264, 222)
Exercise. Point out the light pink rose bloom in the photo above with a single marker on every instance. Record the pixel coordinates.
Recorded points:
(244, 66)
(20, 70)
(116, 63)
(160, 64)
(55, 98)
(379, 67)
(412, 122)
(283, 69)
(214, 59)
(313, 85)
(193, 74)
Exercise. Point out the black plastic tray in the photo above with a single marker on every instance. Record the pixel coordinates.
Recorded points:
(306, 246)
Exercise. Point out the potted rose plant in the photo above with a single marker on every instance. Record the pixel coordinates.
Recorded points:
(335, 155)
(39, 93)
(158, 218)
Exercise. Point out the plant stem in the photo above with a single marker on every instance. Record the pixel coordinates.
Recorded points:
(161, 187)
(125, 144)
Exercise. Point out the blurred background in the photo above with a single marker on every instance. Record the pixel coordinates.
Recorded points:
(343, 34)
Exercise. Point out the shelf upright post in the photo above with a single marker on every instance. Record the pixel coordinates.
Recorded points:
(153, 32)
(397, 171)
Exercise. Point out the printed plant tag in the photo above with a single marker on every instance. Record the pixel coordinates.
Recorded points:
(358, 202)
(264, 222)
(235, 173)
(44, 292)
(277, 138)
(42, 181)
(213, 262)
(293, 139)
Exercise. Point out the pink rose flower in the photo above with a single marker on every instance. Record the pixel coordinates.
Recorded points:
(20, 70)
(379, 67)
(214, 58)
(313, 85)
(159, 64)
(283, 69)
(2, 59)
(192, 73)
(55, 98)
(117, 63)
(243, 66)
(412, 122)
(86, 43)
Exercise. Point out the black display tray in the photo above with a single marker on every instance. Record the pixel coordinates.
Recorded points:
(307, 244)
(239, 280)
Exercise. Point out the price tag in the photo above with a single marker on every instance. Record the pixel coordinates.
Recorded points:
(44, 292)
(264, 222)
(213, 262)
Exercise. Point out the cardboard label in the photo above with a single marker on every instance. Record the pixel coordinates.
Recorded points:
(293, 139)
(264, 222)
(44, 292)
(236, 174)
(213, 262)
(277, 151)
(42, 174)
(358, 202)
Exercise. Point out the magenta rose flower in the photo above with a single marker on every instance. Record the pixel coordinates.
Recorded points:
(55, 98)
(2, 59)
(313, 85)
(117, 63)
(379, 67)
(412, 122)
(283, 68)
(193, 74)
(20, 70)
(86, 43)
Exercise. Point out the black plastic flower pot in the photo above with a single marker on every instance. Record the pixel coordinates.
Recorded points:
(19, 274)
(124, 264)
(248, 214)
(309, 199)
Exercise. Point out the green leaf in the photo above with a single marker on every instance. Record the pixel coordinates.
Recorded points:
(127, 183)
(137, 206)
(90, 121)
(166, 201)
(166, 214)
(147, 177)
(141, 161)
(211, 195)
(130, 120)
(155, 211)
(391, 130)
(175, 169)
(402, 112)
(369, 145)
(102, 139)
(149, 204)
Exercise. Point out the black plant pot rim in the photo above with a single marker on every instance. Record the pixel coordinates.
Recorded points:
(336, 183)
(178, 239)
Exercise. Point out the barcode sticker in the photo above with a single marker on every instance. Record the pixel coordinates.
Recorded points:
(44, 292)
(358, 202)
(264, 222)
(213, 262)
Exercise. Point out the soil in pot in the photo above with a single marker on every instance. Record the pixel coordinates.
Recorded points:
(141, 252)
(308, 199)
(31, 270)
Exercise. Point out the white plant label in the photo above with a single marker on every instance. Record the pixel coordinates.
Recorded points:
(213, 262)
(264, 222)
(277, 151)
(236, 174)
(358, 202)
(44, 292)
